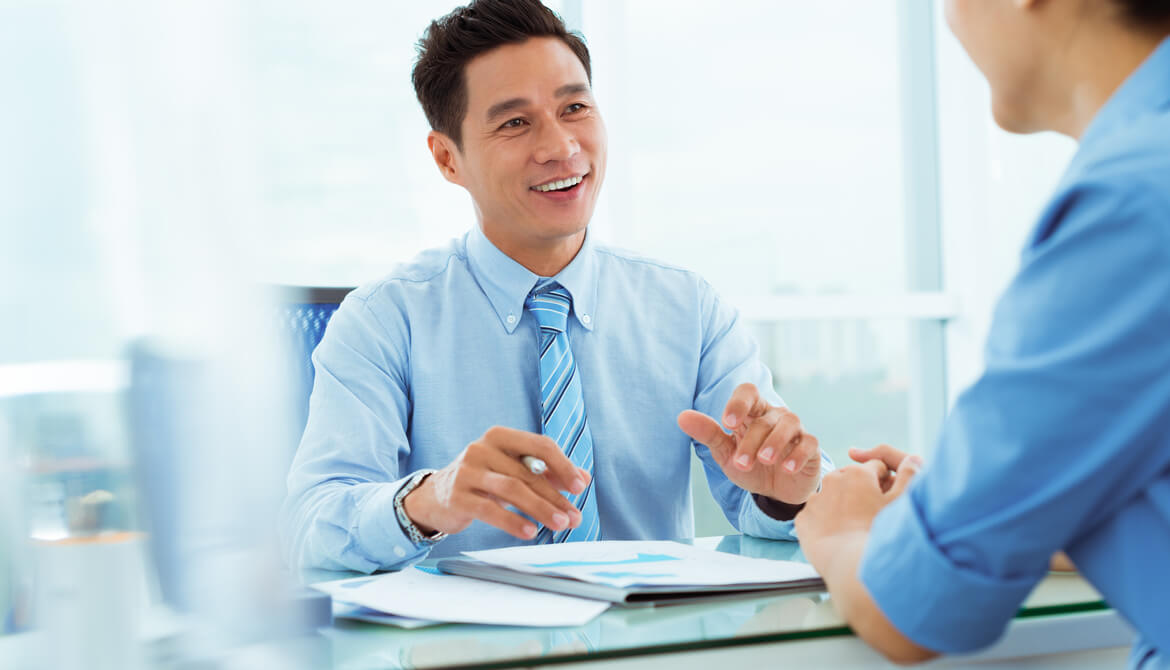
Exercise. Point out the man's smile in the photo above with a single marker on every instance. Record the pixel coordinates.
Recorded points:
(560, 184)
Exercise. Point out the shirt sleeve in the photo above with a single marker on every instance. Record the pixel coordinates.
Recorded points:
(730, 357)
(339, 513)
(1052, 440)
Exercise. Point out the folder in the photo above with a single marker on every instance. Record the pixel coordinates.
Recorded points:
(635, 573)
(649, 595)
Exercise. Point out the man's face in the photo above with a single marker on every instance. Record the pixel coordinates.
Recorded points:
(532, 126)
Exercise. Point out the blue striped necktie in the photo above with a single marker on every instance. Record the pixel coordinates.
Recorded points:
(562, 403)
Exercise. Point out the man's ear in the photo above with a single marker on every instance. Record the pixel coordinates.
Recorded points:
(446, 156)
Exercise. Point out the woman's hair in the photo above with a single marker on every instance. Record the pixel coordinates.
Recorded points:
(1145, 13)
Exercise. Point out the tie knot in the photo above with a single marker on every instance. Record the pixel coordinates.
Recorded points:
(549, 302)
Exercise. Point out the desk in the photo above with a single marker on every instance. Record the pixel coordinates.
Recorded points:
(1064, 614)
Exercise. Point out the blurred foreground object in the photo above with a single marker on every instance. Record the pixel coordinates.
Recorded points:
(142, 419)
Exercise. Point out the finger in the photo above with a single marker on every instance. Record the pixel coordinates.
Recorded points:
(888, 456)
(785, 438)
(557, 482)
(578, 480)
(745, 403)
(705, 430)
(883, 452)
(753, 440)
(494, 514)
(804, 456)
(516, 443)
(877, 468)
(517, 493)
(539, 484)
(907, 470)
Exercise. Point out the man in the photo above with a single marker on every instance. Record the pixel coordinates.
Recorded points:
(526, 338)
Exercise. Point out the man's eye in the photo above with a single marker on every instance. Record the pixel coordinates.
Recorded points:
(575, 107)
(513, 123)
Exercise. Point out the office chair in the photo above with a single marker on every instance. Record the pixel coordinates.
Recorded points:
(302, 315)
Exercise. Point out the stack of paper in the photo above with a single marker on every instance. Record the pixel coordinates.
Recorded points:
(563, 584)
(421, 594)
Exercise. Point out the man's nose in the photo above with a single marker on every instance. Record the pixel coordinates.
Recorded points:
(556, 142)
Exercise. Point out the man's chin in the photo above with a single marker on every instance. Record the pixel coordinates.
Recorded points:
(562, 230)
(554, 225)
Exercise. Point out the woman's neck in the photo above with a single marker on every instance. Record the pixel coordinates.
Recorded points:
(1093, 69)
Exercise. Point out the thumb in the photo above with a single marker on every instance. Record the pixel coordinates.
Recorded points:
(705, 430)
(907, 470)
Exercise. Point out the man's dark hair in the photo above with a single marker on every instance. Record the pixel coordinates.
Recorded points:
(452, 41)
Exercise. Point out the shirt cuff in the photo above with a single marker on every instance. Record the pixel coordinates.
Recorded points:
(380, 535)
(753, 521)
(777, 509)
(939, 605)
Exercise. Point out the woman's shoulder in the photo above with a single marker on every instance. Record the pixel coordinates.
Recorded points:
(1134, 157)
(1119, 183)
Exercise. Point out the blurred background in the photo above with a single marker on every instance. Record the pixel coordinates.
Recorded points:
(832, 168)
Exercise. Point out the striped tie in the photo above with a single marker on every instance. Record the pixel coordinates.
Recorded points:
(563, 405)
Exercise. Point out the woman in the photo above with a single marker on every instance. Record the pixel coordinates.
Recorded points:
(1064, 441)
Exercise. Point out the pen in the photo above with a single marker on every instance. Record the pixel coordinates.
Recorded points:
(534, 464)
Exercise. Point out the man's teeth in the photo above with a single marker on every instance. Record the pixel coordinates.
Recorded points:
(558, 185)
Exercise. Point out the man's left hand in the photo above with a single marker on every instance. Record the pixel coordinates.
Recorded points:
(767, 452)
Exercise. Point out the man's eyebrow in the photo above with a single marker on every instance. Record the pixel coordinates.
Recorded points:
(501, 108)
(571, 89)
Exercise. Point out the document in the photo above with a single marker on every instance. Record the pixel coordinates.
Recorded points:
(626, 563)
(634, 572)
(421, 593)
(358, 613)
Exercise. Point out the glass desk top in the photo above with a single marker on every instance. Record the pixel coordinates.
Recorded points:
(620, 632)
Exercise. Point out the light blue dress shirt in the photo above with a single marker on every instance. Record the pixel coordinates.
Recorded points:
(1064, 442)
(416, 366)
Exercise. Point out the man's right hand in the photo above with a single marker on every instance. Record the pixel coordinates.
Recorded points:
(488, 476)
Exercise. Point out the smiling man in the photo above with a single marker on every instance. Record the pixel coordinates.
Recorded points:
(526, 338)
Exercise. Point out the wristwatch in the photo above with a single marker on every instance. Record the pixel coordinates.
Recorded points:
(412, 531)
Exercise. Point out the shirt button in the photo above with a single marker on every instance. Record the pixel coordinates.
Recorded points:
(585, 319)
(511, 318)
(399, 552)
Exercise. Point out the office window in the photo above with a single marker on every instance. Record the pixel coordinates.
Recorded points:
(758, 143)
(767, 154)
(848, 379)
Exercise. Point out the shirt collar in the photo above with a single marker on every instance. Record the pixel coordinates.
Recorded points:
(1144, 90)
(507, 284)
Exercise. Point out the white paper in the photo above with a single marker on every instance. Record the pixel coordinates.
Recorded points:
(343, 610)
(628, 563)
(420, 594)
